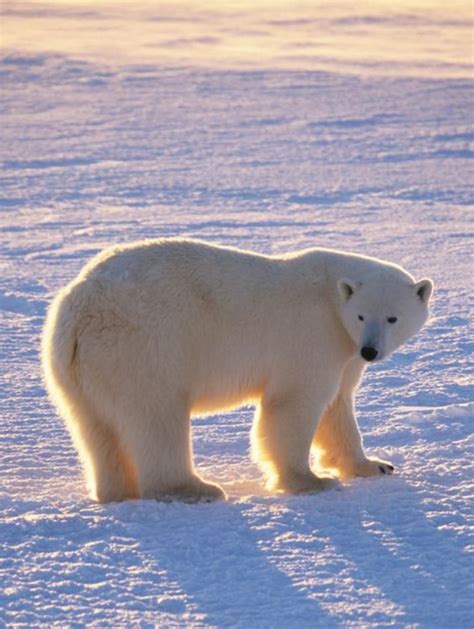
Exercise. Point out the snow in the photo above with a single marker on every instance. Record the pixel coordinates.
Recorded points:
(273, 156)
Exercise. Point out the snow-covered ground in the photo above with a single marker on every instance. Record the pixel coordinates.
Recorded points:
(98, 149)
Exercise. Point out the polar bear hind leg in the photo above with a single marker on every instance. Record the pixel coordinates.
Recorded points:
(109, 471)
(162, 452)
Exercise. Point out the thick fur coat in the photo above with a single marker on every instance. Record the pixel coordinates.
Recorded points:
(152, 333)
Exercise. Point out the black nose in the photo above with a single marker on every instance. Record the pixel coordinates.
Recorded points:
(368, 353)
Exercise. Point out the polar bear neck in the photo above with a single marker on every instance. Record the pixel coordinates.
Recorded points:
(330, 265)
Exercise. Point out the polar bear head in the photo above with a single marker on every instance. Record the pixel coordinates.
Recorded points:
(382, 312)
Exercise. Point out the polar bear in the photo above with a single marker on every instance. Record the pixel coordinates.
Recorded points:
(154, 332)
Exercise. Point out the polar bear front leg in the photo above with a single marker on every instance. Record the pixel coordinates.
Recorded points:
(337, 442)
(281, 442)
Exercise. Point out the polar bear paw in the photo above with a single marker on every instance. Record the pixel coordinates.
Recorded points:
(195, 491)
(372, 467)
(303, 483)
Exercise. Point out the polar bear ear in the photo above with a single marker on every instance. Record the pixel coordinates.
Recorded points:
(424, 289)
(346, 288)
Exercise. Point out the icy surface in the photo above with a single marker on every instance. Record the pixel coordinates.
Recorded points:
(97, 152)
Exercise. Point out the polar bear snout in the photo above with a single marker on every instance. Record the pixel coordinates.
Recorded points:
(368, 353)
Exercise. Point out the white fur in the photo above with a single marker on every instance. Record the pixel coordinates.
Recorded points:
(154, 332)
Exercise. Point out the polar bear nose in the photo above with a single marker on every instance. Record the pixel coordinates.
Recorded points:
(368, 353)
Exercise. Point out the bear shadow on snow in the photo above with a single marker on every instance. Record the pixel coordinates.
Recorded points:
(394, 545)
(218, 556)
(213, 554)
(230, 560)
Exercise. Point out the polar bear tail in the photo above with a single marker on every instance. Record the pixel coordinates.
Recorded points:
(59, 348)
(109, 474)
(65, 322)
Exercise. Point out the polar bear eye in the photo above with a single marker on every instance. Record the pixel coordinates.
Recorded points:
(392, 319)
(361, 318)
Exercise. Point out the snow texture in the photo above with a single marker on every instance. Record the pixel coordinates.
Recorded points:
(99, 151)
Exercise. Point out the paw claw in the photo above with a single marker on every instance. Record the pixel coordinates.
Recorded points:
(372, 467)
